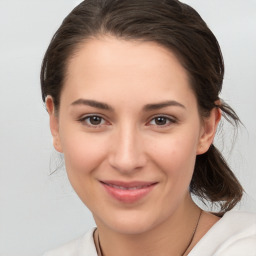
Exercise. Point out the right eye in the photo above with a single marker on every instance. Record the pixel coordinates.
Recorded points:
(93, 121)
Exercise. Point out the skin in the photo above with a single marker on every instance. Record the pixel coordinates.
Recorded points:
(130, 144)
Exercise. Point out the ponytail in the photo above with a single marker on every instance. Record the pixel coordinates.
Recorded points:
(213, 180)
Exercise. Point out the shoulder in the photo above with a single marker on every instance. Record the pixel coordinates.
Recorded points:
(234, 234)
(77, 247)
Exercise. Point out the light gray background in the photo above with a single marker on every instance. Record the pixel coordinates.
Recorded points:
(38, 211)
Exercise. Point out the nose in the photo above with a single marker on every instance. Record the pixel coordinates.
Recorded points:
(127, 153)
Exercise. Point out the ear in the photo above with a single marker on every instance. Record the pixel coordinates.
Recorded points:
(208, 131)
(54, 123)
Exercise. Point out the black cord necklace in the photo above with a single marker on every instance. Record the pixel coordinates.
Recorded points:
(194, 232)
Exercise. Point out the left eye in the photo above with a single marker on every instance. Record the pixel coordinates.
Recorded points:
(161, 121)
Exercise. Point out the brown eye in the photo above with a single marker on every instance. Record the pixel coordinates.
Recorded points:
(161, 120)
(95, 120)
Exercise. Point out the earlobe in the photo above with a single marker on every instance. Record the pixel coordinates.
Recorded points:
(54, 123)
(209, 128)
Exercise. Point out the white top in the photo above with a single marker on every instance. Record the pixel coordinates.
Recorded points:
(233, 235)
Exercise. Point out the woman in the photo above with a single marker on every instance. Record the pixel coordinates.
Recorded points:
(132, 91)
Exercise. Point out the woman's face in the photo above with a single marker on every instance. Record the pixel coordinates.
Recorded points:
(130, 130)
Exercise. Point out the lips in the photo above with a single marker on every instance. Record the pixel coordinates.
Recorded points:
(128, 192)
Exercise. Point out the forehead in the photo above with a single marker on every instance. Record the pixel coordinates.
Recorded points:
(105, 66)
(111, 52)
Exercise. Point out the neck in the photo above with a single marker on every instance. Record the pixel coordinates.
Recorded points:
(171, 237)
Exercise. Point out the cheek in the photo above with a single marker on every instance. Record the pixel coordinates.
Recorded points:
(83, 153)
(176, 155)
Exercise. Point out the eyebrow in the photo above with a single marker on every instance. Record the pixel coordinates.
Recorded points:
(92, 103)
(164, 104)
(148, 107)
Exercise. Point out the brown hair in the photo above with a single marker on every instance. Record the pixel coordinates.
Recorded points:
(179, 28)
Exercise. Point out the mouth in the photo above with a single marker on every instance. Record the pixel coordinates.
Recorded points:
(128, 192)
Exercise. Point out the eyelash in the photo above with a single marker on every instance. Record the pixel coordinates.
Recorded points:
(86, 119)
(168, 119)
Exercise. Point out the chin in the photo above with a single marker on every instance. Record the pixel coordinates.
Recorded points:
(129, 228)
(132, 223)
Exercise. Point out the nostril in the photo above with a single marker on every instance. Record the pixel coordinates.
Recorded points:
(127, 162)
